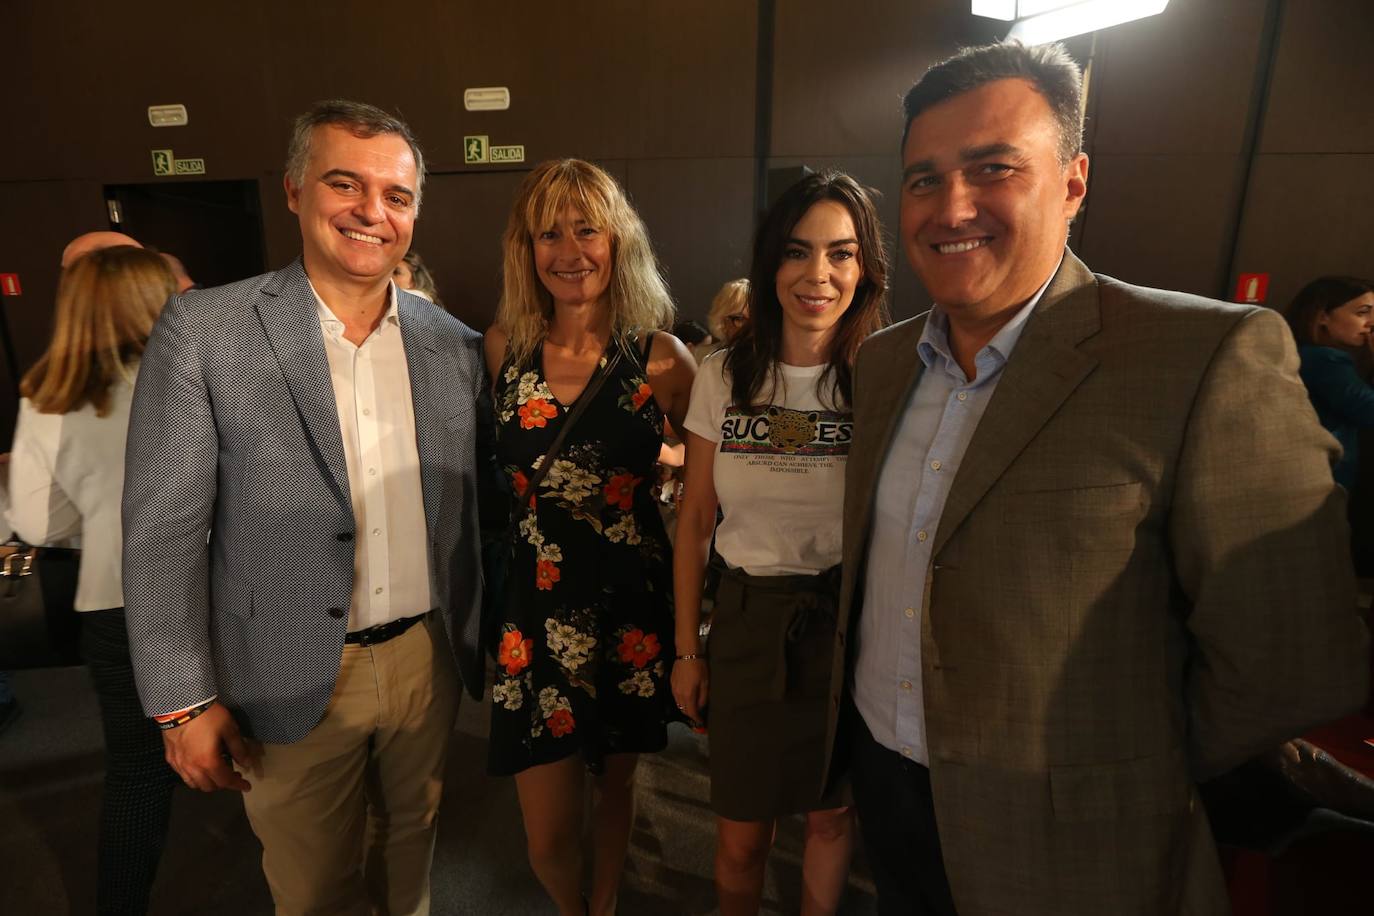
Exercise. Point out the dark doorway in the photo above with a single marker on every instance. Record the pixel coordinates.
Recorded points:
(214, 227)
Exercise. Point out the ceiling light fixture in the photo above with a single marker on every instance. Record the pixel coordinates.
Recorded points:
(1037, 22)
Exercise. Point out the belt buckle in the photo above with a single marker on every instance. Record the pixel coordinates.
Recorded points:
(364, 637)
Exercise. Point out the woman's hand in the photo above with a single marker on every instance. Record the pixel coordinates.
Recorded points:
(691, 685)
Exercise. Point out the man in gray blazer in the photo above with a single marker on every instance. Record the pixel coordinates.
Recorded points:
(1093, 551)
(301, 567)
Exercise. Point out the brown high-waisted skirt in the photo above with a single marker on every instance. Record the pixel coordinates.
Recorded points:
(770, 649)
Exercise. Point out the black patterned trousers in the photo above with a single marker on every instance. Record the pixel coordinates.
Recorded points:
(137, 800)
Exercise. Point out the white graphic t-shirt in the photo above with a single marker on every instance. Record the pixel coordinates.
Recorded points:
(779, 472)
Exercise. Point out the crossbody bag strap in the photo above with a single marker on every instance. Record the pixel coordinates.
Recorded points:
(588, 393)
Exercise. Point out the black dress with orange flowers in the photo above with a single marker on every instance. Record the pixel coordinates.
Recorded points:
(588, 631)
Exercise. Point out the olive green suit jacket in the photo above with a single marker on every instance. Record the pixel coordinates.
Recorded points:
(1140, 579)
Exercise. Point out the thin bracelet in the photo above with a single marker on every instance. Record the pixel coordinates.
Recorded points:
(184, 717)
(690, 656)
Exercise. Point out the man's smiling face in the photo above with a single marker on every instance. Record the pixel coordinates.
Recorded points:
(985, 201)
(356, 205)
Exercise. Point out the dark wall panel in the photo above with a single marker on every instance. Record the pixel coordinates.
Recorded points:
(700, 245)
(1170, 114)
(1320, 100)
(459, 236)
(1162, 220)
(620, 79)
(280, 231)
(839, 72)
(1179, 83)
(1306, 216)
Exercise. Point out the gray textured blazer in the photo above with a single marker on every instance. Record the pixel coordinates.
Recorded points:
(238, 526)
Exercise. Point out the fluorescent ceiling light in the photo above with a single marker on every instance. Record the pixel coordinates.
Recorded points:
(1008, 10)
(1040, 21)
(995, 9)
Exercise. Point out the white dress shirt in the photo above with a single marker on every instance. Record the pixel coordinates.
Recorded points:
(377, 423)
(926, 452)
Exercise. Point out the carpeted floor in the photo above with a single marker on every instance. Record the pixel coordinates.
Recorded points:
(50, 770)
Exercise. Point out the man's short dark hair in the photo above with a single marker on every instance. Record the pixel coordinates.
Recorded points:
(360, 119)
(1048, 68)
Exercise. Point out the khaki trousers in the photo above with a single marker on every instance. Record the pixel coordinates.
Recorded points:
(347, 815)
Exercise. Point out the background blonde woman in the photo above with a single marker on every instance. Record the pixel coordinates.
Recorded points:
(66, 480)
(729, 312)
(587, 632)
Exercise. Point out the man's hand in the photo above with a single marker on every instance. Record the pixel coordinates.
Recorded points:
(200, 751)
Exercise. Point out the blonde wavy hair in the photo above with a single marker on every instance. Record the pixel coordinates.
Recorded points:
(637, 297)
(731, 299)
(107, 303)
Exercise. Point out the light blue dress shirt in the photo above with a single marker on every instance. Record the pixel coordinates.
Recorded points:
(926, 451)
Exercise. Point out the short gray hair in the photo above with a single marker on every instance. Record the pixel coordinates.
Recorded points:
(360, 119)
(1048, 68)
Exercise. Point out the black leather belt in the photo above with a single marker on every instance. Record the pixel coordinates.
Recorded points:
(383, 631)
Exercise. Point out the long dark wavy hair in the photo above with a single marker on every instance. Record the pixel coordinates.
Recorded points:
(753, 358)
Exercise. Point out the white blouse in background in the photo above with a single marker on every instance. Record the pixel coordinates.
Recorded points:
(65, 485)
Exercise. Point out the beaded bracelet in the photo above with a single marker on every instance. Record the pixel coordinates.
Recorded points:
(183, 717)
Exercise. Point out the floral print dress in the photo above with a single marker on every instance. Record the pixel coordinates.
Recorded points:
(586, 642)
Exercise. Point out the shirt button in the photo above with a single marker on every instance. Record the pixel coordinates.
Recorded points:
(963, 395)
(377, 591)
(906, 685)
(921, 535)
(906, 752)
(935, 465)
(910, 612)
(376, 532)
(367, 411)
(372, 472)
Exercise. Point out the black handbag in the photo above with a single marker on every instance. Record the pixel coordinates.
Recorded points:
(498, 546)
(39, 627)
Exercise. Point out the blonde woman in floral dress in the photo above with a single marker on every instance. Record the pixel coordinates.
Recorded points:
(587, 632)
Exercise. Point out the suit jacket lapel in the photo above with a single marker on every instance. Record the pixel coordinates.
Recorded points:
(423, 359)
(1044, 369)
(290, 318)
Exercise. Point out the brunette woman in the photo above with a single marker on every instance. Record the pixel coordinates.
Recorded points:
(768, 434)
(1332, 318)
